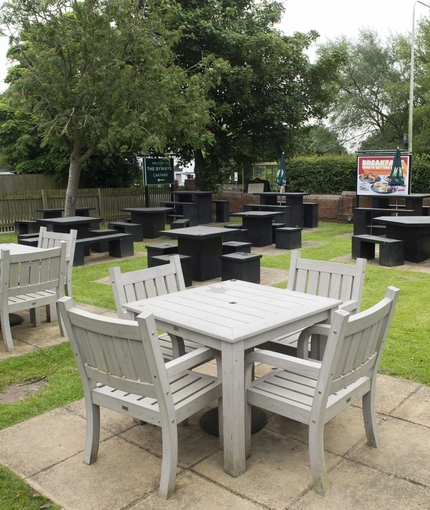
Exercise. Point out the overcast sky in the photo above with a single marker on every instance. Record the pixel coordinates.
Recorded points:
(330, 18)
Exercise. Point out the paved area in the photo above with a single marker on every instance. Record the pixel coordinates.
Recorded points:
(47, 451)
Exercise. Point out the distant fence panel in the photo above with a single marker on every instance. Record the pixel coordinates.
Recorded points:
(106, 202)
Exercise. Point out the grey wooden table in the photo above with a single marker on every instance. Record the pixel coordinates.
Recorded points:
(231, 317)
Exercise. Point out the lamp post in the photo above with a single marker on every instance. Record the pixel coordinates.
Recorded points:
(411, 85)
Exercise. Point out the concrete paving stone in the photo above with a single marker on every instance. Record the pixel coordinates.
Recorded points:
(194, 443)
(416, 408)
(195, 493)
(404, 451)
(340, 435)
(111, 421)
(390, 393)
(107, 484)
(38, 443)
(354, 486)
(276, 473)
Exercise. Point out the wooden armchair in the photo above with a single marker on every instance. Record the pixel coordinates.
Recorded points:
(320, 278)
(147, 283)
(122, 368)
(49, 239)
(29, 281)
(313, 392)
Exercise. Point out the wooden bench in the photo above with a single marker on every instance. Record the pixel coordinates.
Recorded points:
(180, 223)
(236, 246)
(160, 249)
(120, 245)
(289, 238)
(99, 232)
(222, 210)
(275, 226)
(28, 239)
(310, 215)
(186, 265)
(391, 251)
(241, 266)
(237, 234)
(26, 227)
(184, 210)
(126, 227)
(284, 211)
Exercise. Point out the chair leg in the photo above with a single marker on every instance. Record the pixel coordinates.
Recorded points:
(51, 312)
(369, 417)
(6, 331)
(169, 461)
(316, 454)
(35, 316)
(93, 433)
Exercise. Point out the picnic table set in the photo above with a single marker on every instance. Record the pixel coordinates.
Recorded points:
(322, 350)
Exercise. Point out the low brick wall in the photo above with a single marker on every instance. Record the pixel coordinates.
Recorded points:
(330, 207)
(339, 208)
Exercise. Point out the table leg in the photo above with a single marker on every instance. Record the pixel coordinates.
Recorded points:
(233, 395)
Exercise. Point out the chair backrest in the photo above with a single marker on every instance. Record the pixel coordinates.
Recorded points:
(122, 354)
(146, 283)
(354, 346)
(328, 279)
(49, 239)
(31, 273)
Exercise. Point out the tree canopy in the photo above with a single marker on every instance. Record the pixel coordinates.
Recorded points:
(371, 110)
(99, 74)
(267, 90)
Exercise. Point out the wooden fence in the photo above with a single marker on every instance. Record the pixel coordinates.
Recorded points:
(107, 202)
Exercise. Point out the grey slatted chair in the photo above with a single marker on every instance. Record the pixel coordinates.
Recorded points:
(49, 239)
(313, 392)
(320, 278)
(147, 283)
(122, 368)
(29, 281)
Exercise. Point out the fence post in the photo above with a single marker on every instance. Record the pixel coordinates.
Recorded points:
(100, 198)
(44, 203)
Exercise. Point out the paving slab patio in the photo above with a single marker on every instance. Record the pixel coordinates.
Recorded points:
(47, 451)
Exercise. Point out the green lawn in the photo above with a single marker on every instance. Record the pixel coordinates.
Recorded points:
(405, 355)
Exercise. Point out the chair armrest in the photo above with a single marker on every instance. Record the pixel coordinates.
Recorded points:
(303, 340)
(306, 367)
(190, 360)
(351, 306)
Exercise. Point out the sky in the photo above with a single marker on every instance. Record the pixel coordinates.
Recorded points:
(330, 18)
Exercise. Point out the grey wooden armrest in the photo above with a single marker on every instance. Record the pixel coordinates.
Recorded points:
(306, 366)
(189, 360)
(305, 335)
(351, 305)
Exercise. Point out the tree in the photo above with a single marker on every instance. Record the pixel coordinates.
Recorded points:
(371, 108)
(266, 91)
(99, 74)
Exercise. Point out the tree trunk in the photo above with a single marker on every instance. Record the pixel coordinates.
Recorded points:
(76, 161)
(199, 167)
(73, 185)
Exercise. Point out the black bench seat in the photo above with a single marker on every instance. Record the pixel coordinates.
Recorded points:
(120, 245)
(391, 251)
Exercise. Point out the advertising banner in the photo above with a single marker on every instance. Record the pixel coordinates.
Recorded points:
(374, 175)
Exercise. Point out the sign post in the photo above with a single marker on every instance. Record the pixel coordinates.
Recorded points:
(157, 171)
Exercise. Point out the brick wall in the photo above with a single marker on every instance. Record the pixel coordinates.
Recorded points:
(339, 208)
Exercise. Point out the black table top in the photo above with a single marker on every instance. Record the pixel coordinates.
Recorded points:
(70, 219)
(417, 221)
(147, 210)
(198, 232)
